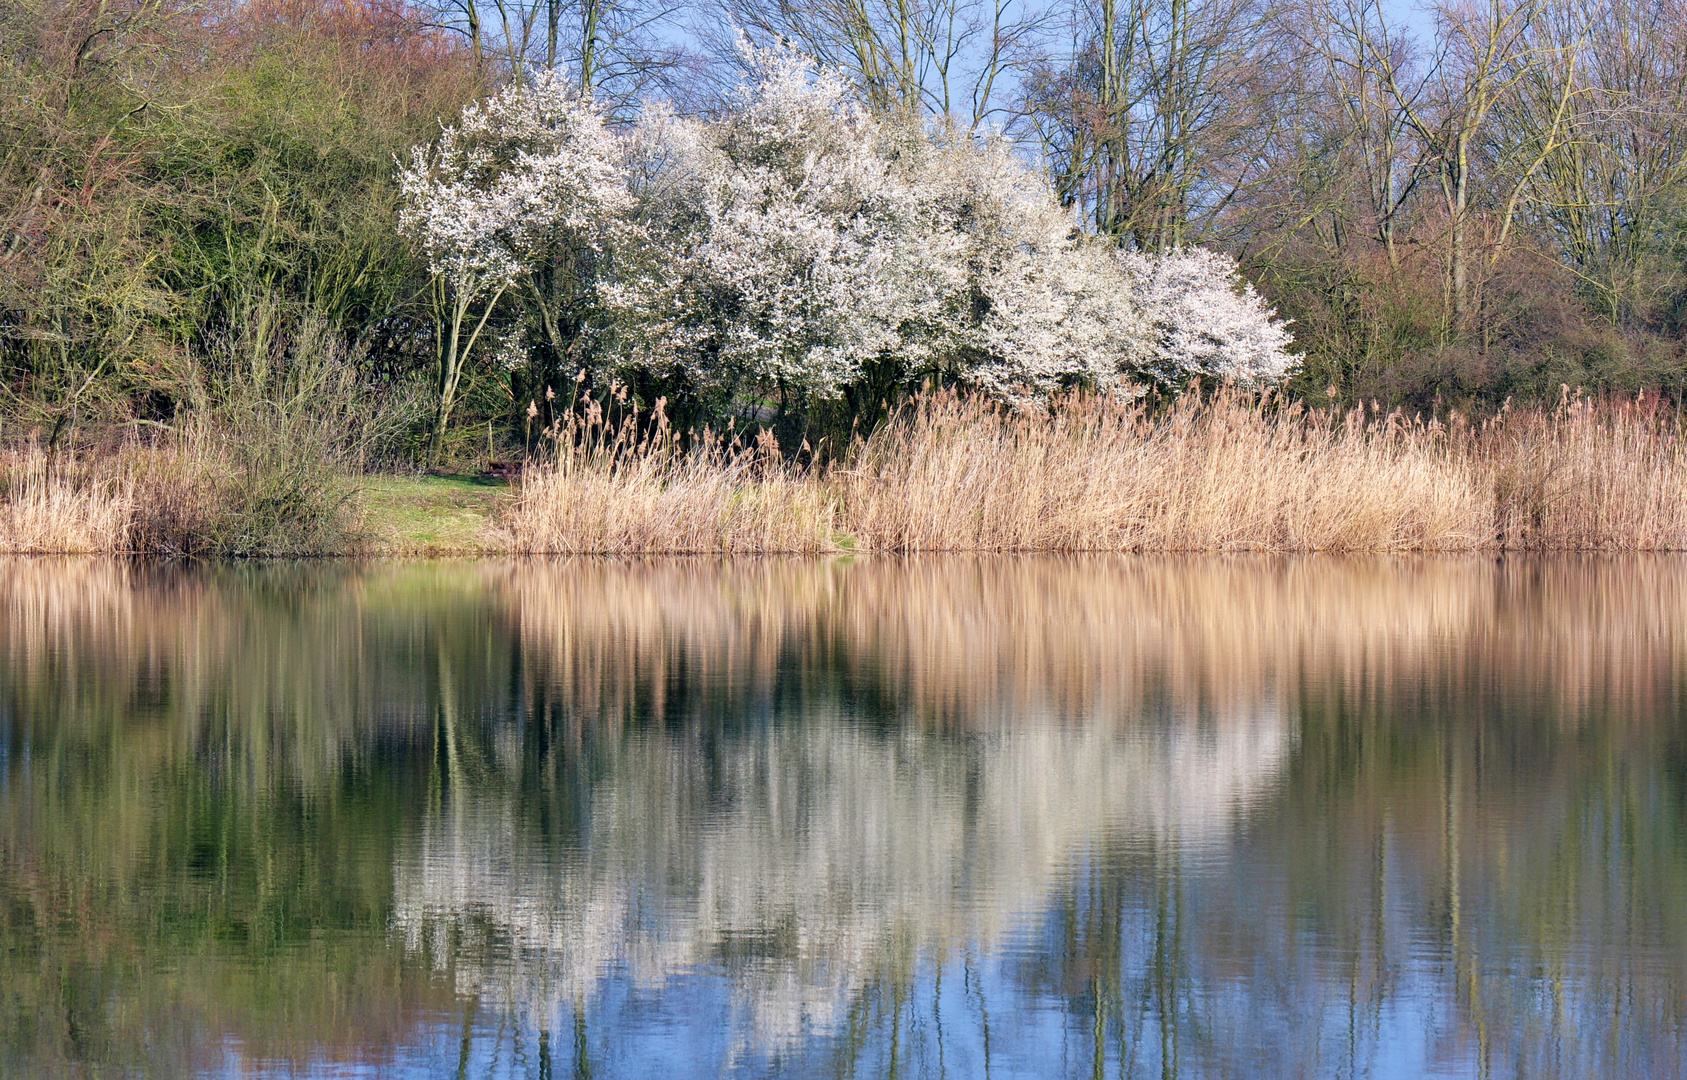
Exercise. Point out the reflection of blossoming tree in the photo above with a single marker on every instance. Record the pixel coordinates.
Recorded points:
(799, 239)
(812, 855)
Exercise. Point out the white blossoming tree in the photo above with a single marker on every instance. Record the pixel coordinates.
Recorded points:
(531, 170)
(1026, 304)
(759, 252)
(799, 239)
(785, 247)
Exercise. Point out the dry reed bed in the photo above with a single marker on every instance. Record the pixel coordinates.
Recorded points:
(48, 511)
(132, 501)
(629, 488)
(1232, 473)
(1098, 476)
(187, 494)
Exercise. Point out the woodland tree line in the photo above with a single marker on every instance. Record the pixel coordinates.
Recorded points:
(200, 202)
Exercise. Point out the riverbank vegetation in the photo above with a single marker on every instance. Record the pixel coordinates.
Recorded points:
(1234, 472)
(1236, 274)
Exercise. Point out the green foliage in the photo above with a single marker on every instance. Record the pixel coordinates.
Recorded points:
(282, 200)
(191, 179)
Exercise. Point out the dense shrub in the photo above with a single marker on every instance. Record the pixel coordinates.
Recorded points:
(796, 245)
(174, 176)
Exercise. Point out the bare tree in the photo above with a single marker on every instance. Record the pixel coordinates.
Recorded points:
(1161, 113)
(618, 51)
(1484, 52)
(1612, 181)
(1360, 60)
(949, 58)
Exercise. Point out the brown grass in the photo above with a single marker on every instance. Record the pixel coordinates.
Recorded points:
(186, 494)
(1233, 473)
(628, 488)
(958, 475)
(47, 510)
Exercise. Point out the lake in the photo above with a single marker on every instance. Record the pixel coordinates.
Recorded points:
(957, 817)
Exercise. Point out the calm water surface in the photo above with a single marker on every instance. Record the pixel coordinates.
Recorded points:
(964, 818)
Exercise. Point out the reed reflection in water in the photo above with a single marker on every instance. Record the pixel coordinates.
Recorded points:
(1100, 816)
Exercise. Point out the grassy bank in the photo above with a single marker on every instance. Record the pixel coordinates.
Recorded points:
(1229, 474)
(154, 504)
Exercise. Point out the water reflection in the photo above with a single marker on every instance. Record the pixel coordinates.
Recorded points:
(948, 817)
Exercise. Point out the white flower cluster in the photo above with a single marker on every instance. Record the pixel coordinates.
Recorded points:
(798, 238)
(1202, 323)
(761, 249)
(530, 167)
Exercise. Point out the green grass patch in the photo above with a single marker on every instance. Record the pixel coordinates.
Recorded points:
(429, 515)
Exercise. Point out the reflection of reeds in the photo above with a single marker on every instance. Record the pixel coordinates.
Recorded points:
(1229, 474)
(983, 640)
(955, 641)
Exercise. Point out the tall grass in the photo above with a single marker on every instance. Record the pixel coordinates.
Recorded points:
(1228, 473)
(185, 494)
(44, 510)
(193, 493)
(1098, 475)
(1586, 476)
(261, 460)
(629, 487)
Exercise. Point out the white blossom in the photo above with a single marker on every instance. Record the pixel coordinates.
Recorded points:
(1205, 320)
(759, 250)
(524, 169)
(797, 238)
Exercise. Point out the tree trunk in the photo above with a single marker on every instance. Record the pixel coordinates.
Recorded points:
(1460, 259)
(452, 360)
